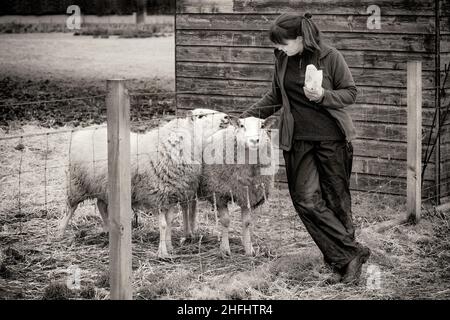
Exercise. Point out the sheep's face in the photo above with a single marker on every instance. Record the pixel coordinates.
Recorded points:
(251, 132)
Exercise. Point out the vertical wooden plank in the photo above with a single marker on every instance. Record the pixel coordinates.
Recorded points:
(414, 144)
(119, 190)
(437, 43)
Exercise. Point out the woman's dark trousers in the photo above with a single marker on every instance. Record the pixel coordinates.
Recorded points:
(318, 175)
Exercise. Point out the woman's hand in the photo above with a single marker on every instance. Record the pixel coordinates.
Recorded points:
(314, 95)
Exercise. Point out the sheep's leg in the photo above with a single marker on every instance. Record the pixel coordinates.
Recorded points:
(224, 219)
(169, 218)
(246, 231)
(103, 209)
(186, 220)
(135, 222)
(65, 221)
(162, 250)
(193, 216)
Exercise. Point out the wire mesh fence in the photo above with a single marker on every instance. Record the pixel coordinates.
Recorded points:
(36, 178)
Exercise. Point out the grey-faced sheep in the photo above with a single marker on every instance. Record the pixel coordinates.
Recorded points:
(165, 168)
(244, 175)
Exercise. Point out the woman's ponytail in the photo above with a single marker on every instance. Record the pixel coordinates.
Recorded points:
(310, 33)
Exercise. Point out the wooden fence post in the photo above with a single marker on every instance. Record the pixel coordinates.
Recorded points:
(119, 190)
(414, 146)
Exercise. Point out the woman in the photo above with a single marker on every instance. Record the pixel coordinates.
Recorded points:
(315, 135)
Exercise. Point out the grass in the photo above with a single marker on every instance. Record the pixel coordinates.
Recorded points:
(83, 60)
(412, 259)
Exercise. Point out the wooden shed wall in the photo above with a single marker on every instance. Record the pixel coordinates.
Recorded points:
(445, 103)
(224, 60)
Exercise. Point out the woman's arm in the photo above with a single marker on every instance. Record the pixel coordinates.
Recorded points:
(344, 93)
(270, 103)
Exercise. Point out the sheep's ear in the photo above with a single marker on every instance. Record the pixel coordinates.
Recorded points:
(229, 120)
(224, 123)
(200, 113)
(191, 115)
(235, 121)
(270, 123)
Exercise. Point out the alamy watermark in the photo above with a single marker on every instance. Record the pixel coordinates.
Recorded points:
(227, 147)
(74, 21)
(374, 20)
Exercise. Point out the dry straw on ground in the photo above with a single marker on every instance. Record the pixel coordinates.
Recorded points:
(412, 260)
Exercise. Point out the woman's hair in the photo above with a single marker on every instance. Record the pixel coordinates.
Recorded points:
(289, 26)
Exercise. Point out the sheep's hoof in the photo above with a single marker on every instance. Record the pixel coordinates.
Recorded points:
(187, 240)
(250, 252)
(225, 252)
(191, 236)
(164, 255)
(135, 222)
(60, 235)
(164, 250)
(165, 258)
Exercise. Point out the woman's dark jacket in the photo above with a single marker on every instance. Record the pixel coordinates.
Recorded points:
(339, 92)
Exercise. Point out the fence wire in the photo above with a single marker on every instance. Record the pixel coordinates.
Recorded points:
(36, 178)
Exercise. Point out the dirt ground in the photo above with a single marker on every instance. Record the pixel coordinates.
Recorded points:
(407, 262)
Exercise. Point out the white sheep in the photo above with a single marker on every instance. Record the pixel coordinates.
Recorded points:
(165, 168)
(241, 178)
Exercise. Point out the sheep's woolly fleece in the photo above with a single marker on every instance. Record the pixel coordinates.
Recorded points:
(230, 181)
(162, 173)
